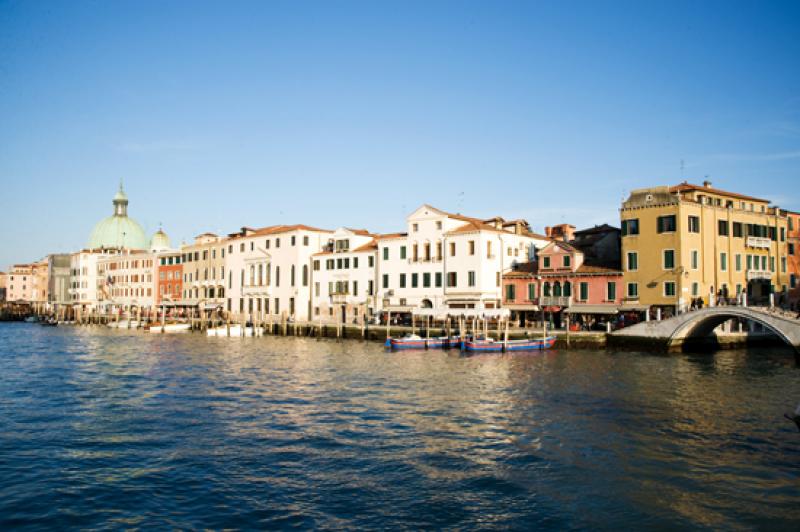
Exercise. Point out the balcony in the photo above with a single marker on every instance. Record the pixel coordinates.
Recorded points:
(759, 274)
(555, 301)
(758, 242)
(339, 298)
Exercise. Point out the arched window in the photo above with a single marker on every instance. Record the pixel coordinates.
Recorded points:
(291, 278)
(305, 274)
(546, 289)
(557, 289)
(567, 289)
(260, 274)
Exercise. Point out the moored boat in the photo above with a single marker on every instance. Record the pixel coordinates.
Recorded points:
(495, 346)
(235, 330)
(413, 341)
(169, 328)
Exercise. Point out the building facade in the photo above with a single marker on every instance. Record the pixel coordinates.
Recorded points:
(203, 264)
(169, 276)
(449, 262)
(58, 280)
(269, 271)
(86, 287)
(793, 256)
(28, 282)
(344, 276)
(690, 242)
(127, 280)
(566, 279)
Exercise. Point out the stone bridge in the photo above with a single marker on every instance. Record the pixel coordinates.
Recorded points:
(673, 332)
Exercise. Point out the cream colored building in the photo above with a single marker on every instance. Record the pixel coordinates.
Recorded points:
(689, 241)
(28, 282)
(204, 271)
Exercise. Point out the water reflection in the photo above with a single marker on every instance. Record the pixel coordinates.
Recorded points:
(124, 429)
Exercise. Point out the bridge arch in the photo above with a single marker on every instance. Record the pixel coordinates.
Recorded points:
(701, 324)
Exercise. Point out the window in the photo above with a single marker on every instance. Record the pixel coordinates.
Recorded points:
(452, 279)
(305, 240)
(402, 252)
(783, 234)
(471, 247)
(402, 280)
(426, 280)
(583, 290)
(737, 229)
(783, 264)
(277, 245)
(386, 253)
(414, 280)
(723, 262)
(305, 274)
(611, 291)
(415, 227)
(371, 261)
(266, 243)
(489, 250)
(277, 275)
(415, 252)
(694, 224)
(531, 291)
(546, 289)
(695, 258)
(316, 265)
(471, 278)
(722, 227)
(669, 288)
(438, 279)
(695, 289)
(386, 280)
(772, 264)
(791, 249)
(511, 294)
(738, 261)
(567, 261)
(669, 259)
(665, 224)
(630, 227)
(633, 261)
(452, 249)
(633, 290)
(792, 281)
(545, 262)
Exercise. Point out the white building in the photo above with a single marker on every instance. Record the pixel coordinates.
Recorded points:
(85, 286)
(269, 271)
(128, 280)
(344, 276)
(447, 261)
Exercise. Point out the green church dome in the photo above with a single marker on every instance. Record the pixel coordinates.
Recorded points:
(118, 231)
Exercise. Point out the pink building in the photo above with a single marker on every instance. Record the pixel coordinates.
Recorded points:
(567, 280)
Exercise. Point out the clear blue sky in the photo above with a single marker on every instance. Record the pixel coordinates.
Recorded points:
(224, 114)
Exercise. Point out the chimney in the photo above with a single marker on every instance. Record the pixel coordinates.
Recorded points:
(548, 231)
(707, 183)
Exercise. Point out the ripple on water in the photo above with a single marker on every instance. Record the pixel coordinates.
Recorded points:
(111, 429)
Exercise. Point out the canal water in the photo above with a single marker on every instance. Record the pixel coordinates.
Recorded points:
(102, 428)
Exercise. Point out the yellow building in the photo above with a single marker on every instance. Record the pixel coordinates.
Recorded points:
(689, 241)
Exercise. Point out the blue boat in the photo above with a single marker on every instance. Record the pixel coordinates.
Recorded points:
(495, 346)
(412, 341)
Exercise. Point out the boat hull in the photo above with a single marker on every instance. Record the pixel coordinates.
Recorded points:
(423, 343)
(511, 346)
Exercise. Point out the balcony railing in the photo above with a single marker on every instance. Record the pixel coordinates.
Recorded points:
(759, 274)
(758, 242)
(339, 297)
(555, 301)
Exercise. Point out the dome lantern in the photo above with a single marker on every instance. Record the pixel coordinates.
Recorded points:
(118, 231)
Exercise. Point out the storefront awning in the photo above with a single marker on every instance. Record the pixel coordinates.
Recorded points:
(633, 307)
(592, 309)
(523, 307)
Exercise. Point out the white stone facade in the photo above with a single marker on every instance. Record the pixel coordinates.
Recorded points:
(127, 280)
(344, 278)
(447, 261)
(269, 271)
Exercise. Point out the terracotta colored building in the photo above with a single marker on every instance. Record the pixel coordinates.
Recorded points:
(169, 276)
(567, 280)
(793, 257)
